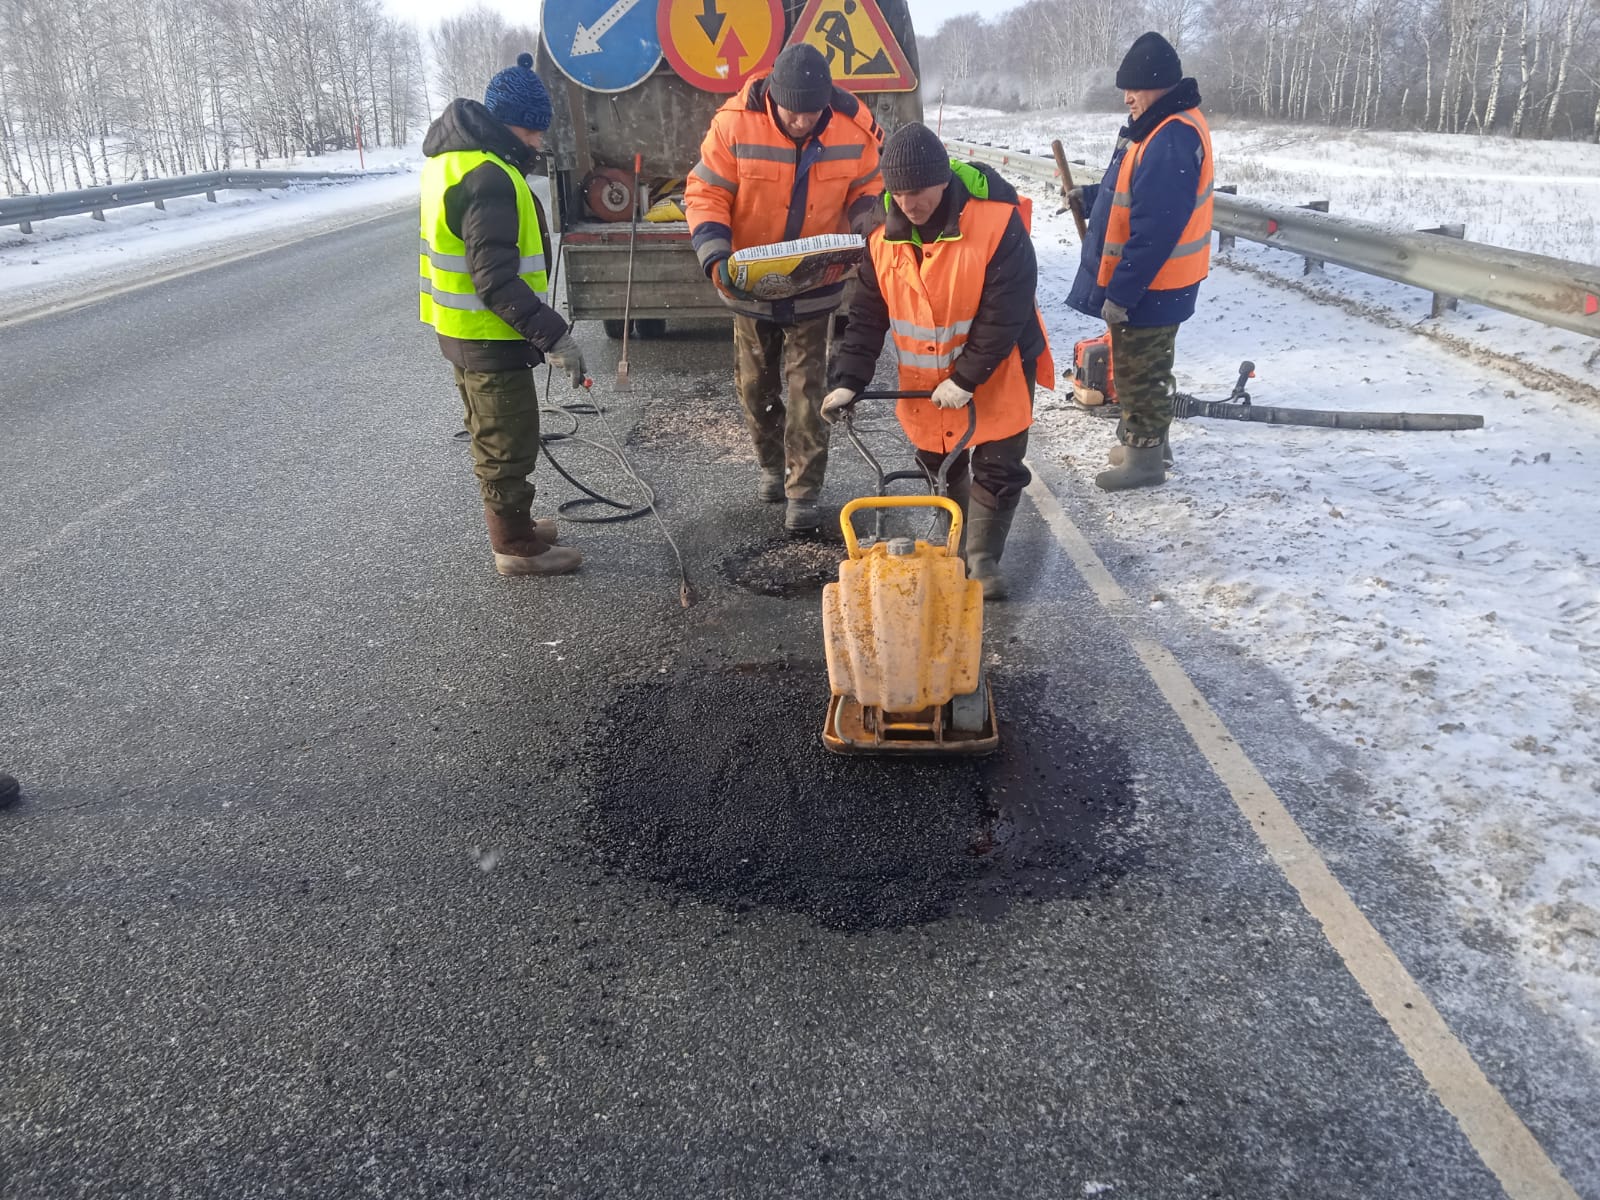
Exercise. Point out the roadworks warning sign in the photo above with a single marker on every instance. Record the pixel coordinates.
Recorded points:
(861, 50)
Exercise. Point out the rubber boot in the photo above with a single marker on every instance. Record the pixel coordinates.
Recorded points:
(771, 489)
(961, 493)
(801, 516)
(1141, 467)
(518, 549)
(986, 542)
(1118, 454)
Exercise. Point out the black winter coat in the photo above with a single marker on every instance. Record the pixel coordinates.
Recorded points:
(482, 211)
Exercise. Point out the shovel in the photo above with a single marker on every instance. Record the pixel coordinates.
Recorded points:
(623, 383)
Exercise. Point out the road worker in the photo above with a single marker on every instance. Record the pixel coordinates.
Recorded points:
(1147, 249)
(484, 267)
(951, 275)
(789, 156)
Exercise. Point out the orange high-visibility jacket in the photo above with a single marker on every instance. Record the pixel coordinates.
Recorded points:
(932, 300)
(754, 185)
(1190, 260)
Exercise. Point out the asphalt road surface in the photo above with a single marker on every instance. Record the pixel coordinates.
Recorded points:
(346, 867)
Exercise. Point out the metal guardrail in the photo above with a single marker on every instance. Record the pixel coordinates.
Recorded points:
(1551, 291)
(24, 210)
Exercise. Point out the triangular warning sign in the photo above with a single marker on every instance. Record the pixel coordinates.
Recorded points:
(856, 40)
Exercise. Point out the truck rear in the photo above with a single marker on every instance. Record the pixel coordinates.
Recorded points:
(592, 145)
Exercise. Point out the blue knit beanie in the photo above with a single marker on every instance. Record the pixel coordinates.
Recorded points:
(517, 96)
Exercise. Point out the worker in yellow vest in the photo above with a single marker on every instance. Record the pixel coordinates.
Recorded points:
(1147, 249)
(485, 265)
(950, 277)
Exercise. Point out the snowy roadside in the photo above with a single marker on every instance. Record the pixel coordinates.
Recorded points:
(65, 256)
(1433, 599)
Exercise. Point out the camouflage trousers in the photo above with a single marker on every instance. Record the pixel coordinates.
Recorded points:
(501, 411)
(790, 437)
(1142, 361)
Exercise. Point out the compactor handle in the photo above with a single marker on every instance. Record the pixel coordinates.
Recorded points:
(949, 506)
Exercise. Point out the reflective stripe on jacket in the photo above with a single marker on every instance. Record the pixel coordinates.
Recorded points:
(754, 185)
(932, 293)
(450, 302)
(1190, 260)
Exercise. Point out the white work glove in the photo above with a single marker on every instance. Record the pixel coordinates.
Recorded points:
(1113, 314)
(566, 356)
(950, 394)
(836, 402)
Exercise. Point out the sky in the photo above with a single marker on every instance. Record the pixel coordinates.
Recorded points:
(926, 15)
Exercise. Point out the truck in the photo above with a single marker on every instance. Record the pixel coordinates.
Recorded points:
(590, 158)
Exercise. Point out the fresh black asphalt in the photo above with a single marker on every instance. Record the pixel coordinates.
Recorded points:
(345, 867)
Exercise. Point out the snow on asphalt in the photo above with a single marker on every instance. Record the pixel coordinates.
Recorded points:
(1433, 600)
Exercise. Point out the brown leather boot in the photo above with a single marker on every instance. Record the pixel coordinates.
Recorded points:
(519, 550)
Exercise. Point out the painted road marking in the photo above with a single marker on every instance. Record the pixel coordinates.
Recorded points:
(1498, 1135)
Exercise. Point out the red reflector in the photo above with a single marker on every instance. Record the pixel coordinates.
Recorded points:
(1272, 227)
(1591, 305)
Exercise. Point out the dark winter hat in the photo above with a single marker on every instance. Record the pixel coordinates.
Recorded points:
(913, 158)
(517, 96)
(800, 80)
(1150, 63)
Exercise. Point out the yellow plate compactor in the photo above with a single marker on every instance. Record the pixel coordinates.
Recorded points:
(903, 632)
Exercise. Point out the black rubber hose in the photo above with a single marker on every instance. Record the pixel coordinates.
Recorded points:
(1184, 406)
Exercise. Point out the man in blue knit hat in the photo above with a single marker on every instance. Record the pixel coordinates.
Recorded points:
(484, 266)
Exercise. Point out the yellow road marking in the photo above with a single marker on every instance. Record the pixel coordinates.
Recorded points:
(1498, 1135)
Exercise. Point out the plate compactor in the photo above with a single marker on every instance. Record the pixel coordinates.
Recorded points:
(903, 627)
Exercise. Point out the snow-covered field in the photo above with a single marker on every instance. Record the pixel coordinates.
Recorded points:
(1432, 599)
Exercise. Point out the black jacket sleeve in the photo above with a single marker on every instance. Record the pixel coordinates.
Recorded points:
(855, 361)
(482, 209)
(1005, 309)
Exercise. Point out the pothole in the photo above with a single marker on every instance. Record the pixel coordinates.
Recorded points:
(787, 567)
(717, 785)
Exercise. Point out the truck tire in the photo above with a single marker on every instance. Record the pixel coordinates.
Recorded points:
(650, 327)
(613, 330)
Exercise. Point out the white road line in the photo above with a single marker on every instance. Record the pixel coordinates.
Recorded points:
(1498, 1135)
(73, 528)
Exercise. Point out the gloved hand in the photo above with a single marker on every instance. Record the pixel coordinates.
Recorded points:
(1075, 198)
(1113, 314)
(950, 394)
(836, 402)
(566, 356)
(724, 280)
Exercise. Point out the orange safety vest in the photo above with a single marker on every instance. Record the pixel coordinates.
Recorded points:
(1190, 260)
(932, 304)
(746, 174)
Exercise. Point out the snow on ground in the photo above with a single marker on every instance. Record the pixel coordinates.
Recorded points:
(1432, 599)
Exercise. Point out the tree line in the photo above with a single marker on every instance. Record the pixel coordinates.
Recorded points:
(104, 91)
(1526, 68)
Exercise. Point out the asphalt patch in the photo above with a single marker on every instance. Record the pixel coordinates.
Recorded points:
(788, 567)
(716, 784)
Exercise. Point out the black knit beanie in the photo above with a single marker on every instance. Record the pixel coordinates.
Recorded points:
(1150, 63)
(913, 158)
(800, 80)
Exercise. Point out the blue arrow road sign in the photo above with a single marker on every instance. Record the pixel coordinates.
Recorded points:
(603, 45)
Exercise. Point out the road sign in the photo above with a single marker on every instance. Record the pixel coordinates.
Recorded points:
(718, 44)
(860, 47)
(602, 45)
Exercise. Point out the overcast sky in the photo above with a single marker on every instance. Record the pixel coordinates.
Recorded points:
(926, 15)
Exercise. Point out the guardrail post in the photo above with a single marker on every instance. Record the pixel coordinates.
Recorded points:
(1442, 303)
(98, 214)
(25, 226)
(211, 196)
(162, 205)
(1225, 241)
(1314, 264)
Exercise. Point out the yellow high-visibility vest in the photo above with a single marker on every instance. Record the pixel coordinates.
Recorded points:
(450, 303)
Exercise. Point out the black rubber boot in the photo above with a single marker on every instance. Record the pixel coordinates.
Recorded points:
(986, 542)
(1141, 467)
(1118, 454)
